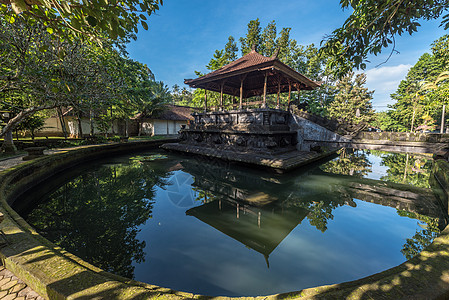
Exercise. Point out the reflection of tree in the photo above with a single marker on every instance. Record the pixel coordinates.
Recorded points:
(96, 215)
(204, 196)
(350, 162)
(423, 237)
(320, 212)
(407, 168)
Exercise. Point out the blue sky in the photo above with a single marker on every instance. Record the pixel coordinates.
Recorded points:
(183, 36)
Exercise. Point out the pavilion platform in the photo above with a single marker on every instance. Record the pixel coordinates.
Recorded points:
(254, 137)
(279, 163)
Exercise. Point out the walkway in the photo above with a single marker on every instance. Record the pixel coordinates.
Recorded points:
(12, 287)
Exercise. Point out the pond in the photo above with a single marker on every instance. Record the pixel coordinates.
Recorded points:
(211, 228)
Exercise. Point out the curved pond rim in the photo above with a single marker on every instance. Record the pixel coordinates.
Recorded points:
(57, 274)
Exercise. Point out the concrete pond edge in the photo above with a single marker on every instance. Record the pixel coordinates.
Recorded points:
(57, 274)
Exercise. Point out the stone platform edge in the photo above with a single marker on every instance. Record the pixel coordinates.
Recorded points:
(282, 162)
(57, 274)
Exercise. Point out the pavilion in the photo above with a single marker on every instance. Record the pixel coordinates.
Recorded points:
(261, 136)
(253, 75)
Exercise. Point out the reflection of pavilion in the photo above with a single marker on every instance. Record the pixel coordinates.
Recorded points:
(260, 228)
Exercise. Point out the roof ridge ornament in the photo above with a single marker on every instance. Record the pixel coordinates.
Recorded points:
(276, 53)
(254, 47)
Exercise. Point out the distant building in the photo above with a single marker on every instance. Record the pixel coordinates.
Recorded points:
(167, 122)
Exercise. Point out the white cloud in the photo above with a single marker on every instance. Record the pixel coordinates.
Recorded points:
(384, 81)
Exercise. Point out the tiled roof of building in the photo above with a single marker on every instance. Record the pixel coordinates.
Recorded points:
(251, 69)
(248, 60)
(172, 112)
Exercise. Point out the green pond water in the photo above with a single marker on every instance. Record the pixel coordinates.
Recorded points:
(211, 228)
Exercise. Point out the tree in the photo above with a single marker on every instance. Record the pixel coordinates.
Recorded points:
(93, 19)
(252, 38)
(373, 26)
(352, 102)
(39, 72)
(413, 102)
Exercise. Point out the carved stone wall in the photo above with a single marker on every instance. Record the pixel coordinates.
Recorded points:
(256, 130)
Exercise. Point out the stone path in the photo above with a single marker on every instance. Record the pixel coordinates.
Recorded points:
(10, 162)
(12, 287)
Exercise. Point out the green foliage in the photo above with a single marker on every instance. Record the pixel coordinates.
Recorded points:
(252, 38)
(32, 124)
(350, 162)
(421, 95)
(422, 238)
(38, 72)
(181, 96)
(373, 26)
(352, 102)
(87, 19)
(407, 168)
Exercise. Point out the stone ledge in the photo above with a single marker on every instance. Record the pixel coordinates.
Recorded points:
(57, 274)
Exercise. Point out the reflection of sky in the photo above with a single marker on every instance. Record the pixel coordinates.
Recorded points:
(186, 254)
(377, 171)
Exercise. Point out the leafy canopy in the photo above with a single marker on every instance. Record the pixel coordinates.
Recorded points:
(88, 18)
(373, 26)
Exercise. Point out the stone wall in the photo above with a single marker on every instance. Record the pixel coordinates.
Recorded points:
(254, 130)
(441, 175)
(403, 137)
(310, 134)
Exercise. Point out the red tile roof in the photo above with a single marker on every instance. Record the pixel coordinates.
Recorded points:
(250, 64)
(251, 59)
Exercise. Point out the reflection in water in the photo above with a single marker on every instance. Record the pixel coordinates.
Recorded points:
(407, 168)
(350, 162)
(180, 222)
(402, 168)
(96, 215)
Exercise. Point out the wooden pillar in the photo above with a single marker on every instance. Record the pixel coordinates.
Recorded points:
(289, 93)
(241, 93)
(278, 105)
(221, 95)
(442, 119)
(205, 100)
(264, 104)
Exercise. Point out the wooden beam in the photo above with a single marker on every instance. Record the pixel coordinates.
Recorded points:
(221, 95)
(289, 93)
(205, 100)
(264, 105)
(241, 92)
(279, 91)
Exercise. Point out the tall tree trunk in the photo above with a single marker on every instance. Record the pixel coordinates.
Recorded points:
(91, 119)
(61, 120)
(126, 128)
(112, 123)
(80, 127)
(8, 143)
